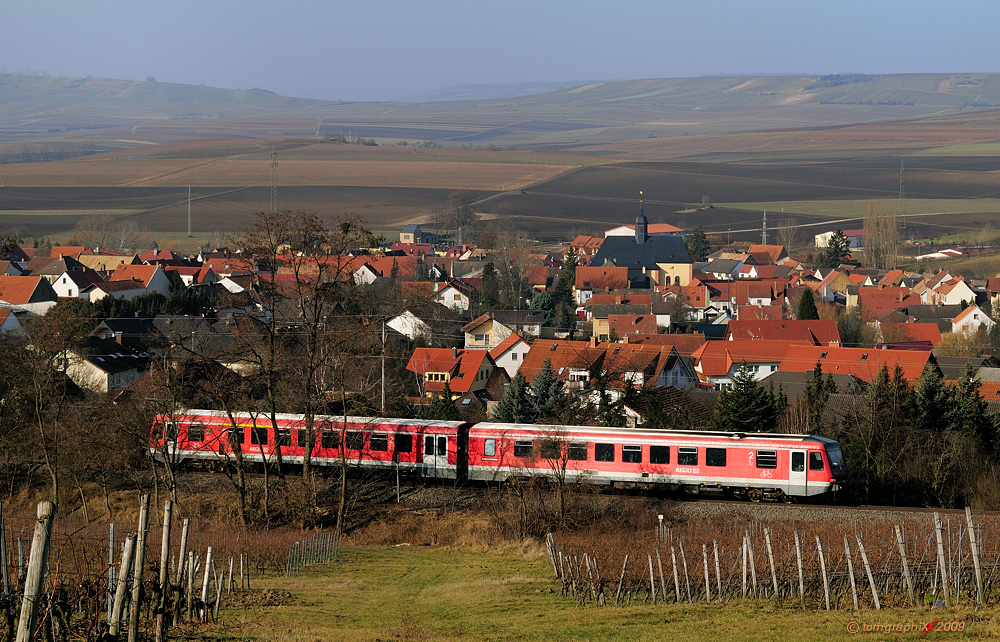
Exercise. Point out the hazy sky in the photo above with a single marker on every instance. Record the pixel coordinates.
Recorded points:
(382, 50)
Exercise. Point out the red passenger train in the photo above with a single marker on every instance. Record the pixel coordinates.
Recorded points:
(752, 465)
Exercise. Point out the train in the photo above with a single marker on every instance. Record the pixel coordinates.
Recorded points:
(754, 466)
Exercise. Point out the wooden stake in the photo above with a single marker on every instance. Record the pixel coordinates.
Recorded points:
(3, 552)
(770, 558)
(687, 577)
(822, 566)
(138, 566)
(204, 585)
(868, 571)
(663, 584)
(974, 545)
(114, 623)
(677, 584)
(798, 560)
(744, 547)
(161, 610)
(652, 582)
(621, 580)
(850, 573)
(718, 575)
(708, 586)
(942, 565)
(906, 569)
(37, 561)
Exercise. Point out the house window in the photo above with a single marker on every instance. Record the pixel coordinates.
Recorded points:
(513, 356)
(481, 338)
(715, 456)
(687, 456)
(632, 454)
(577, 451)
(767, 459)
(379, 442)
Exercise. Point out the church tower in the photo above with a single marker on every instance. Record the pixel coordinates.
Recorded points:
(641, 225)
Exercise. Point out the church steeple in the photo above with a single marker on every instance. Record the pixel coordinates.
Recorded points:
(641, 225)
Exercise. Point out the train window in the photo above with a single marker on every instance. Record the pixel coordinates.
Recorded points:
(489, 447)
(659, 454)
(767, 459)
(816, 461)
(196, 432)
(687, 456)
(355, 440)
(429, 445)
(300, 437)
(170, 433)
(258, 436)
(283, 437)
(715, 456)
(442, 446)
(632, 454)
(798, 462)
(404, 443)
(236, 435)
(551, 449)
(523, 448)
(379, 442)
(577, 451)
(604, 452)
(328, 439)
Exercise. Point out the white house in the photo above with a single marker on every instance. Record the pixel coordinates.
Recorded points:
(510, 354)
(9, 323)
(72, 283)
(953, 292)
(452, 297)
(971, 319)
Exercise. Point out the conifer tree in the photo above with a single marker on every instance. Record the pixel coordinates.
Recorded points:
(443, 409)
(745, 406)
(517, 406)
(547, 394)
(934, 403)
(807, 307)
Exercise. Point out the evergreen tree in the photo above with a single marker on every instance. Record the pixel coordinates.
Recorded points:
(565, 319)
(746, 407)
(837, 249)
(443, 409)
(697, 245)
(817, 391)
(807, 307)
(562, 290)
(934, 403)
(489, 292)
(517, 406)
(547, 394)
(969, 409)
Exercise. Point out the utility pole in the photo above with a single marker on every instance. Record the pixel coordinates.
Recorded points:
(189, 211)
(763, 230)
(383, 367)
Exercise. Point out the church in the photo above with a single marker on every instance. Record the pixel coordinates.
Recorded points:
(651, 259)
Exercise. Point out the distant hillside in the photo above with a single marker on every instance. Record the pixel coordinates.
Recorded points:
(595, 114)
(492, 91)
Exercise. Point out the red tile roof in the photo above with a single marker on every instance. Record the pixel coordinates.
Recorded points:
(512, 339)
(863, 363)
(602, 278)
(911, 332)
(21, 290)
(142, 273)
(462, 365)
(716, 358)
(815, 332)
(628, 324)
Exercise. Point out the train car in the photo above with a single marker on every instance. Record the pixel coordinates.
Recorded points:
(427, 448)
(752, 465)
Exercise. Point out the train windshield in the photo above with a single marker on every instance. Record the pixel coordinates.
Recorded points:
(836, 459)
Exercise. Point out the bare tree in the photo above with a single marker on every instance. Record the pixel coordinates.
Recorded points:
(881, 238)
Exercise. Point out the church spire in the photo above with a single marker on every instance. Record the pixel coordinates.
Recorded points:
(641, 224)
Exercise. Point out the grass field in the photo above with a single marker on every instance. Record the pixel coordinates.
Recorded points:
(509, 594)
(857, 208)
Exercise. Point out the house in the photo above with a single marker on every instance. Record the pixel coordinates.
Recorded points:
(52, 267)
(106, 262)
(510, 354)
(723, 269)
(9, 323)
(653, 229)
(193, 275)
(942, 315)
(488, 331)
(454, 294)
(115, 289)
(860, 363)
(927, 335)
(954, 291)
(413, 249)
(767, 254)
(156, 256)
(816, 332)
(412, 233)
(716, 362)
(106, 364)
(590, 279)
(639, 365)
(971, 319)
(32, 294)
(855, 238)
(585, 247)
(463, 370)
(437, 324)
(72, 284)
(599, 317)
(651, 260)
(152, 277)
(623, 325)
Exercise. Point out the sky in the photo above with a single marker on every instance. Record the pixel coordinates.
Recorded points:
(381, 50)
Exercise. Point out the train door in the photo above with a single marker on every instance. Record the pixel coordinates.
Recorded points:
(797, 474)
(436, 456)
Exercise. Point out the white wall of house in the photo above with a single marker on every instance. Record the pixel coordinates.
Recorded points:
(512, 358)
(453, 298)
(408, 325)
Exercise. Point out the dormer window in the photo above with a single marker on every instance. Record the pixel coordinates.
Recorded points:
(864, 357)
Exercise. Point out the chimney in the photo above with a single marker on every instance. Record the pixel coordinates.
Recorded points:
(118, 338)
(593, 341)
(454, 353)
